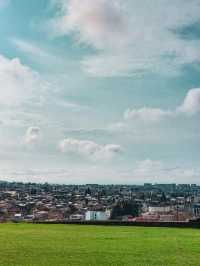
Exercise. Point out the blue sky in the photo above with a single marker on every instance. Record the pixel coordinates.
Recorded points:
(96, 91)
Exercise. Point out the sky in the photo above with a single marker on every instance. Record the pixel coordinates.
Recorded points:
(97, 91)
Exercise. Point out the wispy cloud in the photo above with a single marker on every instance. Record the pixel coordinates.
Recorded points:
(156, 171)
(131, 37)
(142, 171)
(29, 47)
(39, 53)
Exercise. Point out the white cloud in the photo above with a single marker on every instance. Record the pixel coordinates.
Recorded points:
(98, 23)
(32, 135)
(144, 171)
(157, 171)
(17, 117)
(146, 114)
(89, 148)
(18, 82)
(190, 106)
(132, 37)
(148, 168)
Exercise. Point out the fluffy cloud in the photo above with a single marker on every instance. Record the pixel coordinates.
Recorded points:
(32, 135)
(190, 106)
(131, 36)
(18, 82)
(89, 148)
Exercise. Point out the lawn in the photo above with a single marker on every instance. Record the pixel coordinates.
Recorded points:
(54, 245)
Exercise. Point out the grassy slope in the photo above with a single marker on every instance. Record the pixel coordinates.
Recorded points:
(55, 245)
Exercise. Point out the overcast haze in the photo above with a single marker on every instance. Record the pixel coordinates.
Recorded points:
(97, 91)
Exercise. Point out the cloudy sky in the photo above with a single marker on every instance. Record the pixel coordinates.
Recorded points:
(97, 91)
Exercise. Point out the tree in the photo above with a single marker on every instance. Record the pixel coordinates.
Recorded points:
(125, 208)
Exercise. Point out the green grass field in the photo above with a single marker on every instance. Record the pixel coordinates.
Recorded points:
(54, 245)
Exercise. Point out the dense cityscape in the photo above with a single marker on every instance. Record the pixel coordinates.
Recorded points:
(142, 203)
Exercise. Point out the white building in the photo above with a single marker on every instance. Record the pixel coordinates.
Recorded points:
(197, 199)
(76, 217)
(97, 215)
(18, 217)
(159, 209)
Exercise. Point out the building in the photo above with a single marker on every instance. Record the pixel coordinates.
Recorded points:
(97, 215)
(196, 210)
(76, 217)
(147, 217)
(159, 209)
(41, 215)
(167, 217)
(18, 217)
